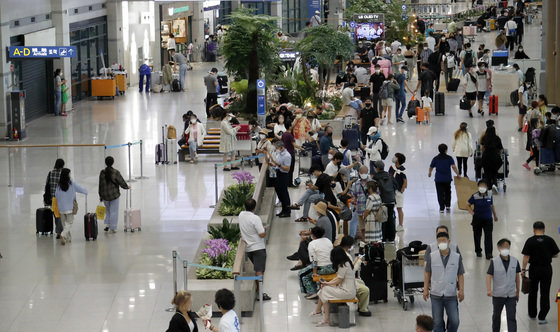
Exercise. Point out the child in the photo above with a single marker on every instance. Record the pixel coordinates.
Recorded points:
(64, 98)
(426, 107)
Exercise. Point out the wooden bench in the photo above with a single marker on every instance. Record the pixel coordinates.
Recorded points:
(342, 311)
(326, 277)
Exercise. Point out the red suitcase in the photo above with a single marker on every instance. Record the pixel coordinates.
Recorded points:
(493, 107)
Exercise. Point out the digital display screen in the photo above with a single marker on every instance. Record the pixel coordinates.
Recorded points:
(370, 31)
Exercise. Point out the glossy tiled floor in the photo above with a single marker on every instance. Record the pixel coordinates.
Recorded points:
(123, 282)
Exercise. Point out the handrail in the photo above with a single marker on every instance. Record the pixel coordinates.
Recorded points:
(50, 145)
(239, 258)
(261, 185)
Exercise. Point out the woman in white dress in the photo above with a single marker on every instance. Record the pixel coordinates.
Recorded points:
(228, 137)
(343, 287)
(280, 127)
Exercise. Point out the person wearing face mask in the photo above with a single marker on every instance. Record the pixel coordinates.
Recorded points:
(281, 161)
(400, 96)
(325, 146)
(523, 95)
(444, 284)
(481, 207)
(433, 247)
(470, 88)
(315, 192)
(280, 127)
(398, 61)
(482, 78)
(228, 137)
(520, 54)
(263, 146)
(376, 81)
(462, 147)
(426, 81)
(369, 117)
(399, 173)
(443, 164)
(504, 272)
(359, 197)
(195, 133)
(387, 188)
(362, 291)
(373, 147)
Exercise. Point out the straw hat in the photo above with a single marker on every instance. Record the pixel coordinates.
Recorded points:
(321, 208)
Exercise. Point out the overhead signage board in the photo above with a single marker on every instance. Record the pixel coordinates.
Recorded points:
(369, 17)
(42, 52)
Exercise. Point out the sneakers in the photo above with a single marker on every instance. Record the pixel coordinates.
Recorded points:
(527, 166)
(543, 321)
(494, 189)
(400, 228)
(113, 231)
(440, 211)
(448, 208)
(106, 229)
(62, 240)
(311, 296)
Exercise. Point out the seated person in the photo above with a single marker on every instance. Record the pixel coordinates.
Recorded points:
(255, 127)
(315, 192)
(195, 133)
(319, 250)
(342, 187)
(183, 140)
(362, 291)
(335, 165)
(343, 287)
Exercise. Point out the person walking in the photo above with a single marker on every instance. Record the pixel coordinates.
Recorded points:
(281, 161)
(50, 189)
(482, 86)
(316, 19)
(503, 285)
(426, 81)
(491, 146)
(195, 132)
(228, 137)
(211, 83)
(180, 60)
(359, 199)
(511, 33)
(462, 147)
(399, 173)
(444, 283)
(400, 96)
(58, 81)
(110, 180)
(65, 198)
(481, 208)
(443, 163)
(387, 93)
(387, 188)
(373, 148)
(538, 252)
(253, 233)
(369, 117)
(184, 319)
(470, 88)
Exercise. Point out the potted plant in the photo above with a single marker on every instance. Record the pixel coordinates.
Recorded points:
(234, 196)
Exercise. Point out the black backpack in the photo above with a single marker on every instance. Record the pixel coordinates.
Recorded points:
(374, 253)
(469, 58)
(530, 75)
(384, 149)
(176, 85)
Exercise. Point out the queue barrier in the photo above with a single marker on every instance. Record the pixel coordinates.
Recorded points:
(237, 161)
(129, 145)
(236, 279)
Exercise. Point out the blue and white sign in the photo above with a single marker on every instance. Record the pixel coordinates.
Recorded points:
(41, 52)
(352, 25)
(261, 102)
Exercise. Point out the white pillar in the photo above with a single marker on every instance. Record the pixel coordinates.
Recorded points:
(5, 78)
(198, 29)
(276, 11)
(60, 22)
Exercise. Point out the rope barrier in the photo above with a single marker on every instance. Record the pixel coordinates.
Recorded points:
(115, 146)
(217, 268)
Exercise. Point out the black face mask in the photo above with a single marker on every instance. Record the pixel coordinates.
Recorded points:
(368, 105)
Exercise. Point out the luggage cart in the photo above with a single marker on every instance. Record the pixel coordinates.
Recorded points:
(304, 161)
(407, 278)
(547, 161)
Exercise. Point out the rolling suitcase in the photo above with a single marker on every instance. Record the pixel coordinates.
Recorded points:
(422, 115)
(439, 103)
(161, 149)
(411, 107)
(132, 217)
(453, 85)
(44, 221)
(90, 225)
(374, 276)
(176, 86)
(353, 137)
(493, 105)
(171, 153)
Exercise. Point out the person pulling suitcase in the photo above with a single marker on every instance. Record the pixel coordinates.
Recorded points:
(110, 180)
(66, 202)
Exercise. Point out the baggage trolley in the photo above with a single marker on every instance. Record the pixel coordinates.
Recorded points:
(547, 161)
(503, 171)
(410, 282)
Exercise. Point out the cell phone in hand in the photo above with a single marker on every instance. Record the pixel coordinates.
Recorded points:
(207, 324)
(322, 280)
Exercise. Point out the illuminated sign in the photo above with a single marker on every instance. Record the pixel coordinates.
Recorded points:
(40, 52)
(372, 17)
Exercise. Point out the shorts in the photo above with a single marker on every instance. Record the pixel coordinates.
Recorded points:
(522, 109)
(386, 102)
(258, 258)
(480, 95)
(399, 199)
(471, 96)
(230, 153)
(361, 222)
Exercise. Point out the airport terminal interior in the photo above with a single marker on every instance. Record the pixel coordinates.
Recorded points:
(123, 281)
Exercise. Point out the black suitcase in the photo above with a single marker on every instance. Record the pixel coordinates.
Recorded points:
(374, 276)
(453, 85)
(90, 226)
(44, 221)
(176, 85)
(439, 103)
(411, 108)
(353, 137)
(161, 149)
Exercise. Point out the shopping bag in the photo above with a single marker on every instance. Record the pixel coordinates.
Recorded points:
(525, 127)
(465, 188)
(54, 208)
(525, 285)
(100, 212)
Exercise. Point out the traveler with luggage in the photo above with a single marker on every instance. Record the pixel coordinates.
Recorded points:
(110, 180)
(444, 283)
(387, 187)
(369, 117)
(319, 250)
(400, 95)
(376, 82)
(362, 291)
(443, 163)
(468, 58)
(492, 148)
(184, 319)
(343, 287)
(387, 94)
(373, 148)
(462, 147)
(195, 132)
(503, 285)
(426, 81)
(211, 83)
(66, 201)
(533, 142)
(482, 86)
(481, 207)
(50, 189)
(449, 65)
(359, 198)
(399, 173)
(180, 60)
(538, 252)
(470, 89)
(373, 230)
(228, 139)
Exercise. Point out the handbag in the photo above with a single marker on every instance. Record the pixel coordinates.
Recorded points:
(525, 285)
(345, 213)
(75, 207)
(464, 104)
(54, 208)
(381, 214)
(525, 127)
(100, 211)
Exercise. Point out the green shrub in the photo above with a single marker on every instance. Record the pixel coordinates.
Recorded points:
(227, 230)
(225, 261)
(233, 200)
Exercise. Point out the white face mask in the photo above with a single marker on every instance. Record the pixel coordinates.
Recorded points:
(330, 156)
(504, 252)
(482, 190)
(364, 176)
(193, 121)
(394, 160)
(262, 136)
(442, 246)
(377, 71)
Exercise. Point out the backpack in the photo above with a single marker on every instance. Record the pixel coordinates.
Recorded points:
(384, 149)
(450, 61)
(469, 58)
(374, 252)
(345, 160)
(176, 86)
(530, 75)
(384, 91)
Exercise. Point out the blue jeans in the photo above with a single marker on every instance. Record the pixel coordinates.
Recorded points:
(182, 75)
(400, 100)
(451, 307)
(57, 102)
(112, 213)
(353, 229)
(141, 82)
(310, 196)
(192, 148)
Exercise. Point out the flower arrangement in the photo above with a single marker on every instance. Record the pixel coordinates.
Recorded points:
(234, 197)
(218, 252)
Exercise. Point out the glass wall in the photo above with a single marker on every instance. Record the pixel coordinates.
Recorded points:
(294, 14)
(90, 39)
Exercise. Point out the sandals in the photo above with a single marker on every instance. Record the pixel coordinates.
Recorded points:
(295, 206)
(302, 219)
(321, 324)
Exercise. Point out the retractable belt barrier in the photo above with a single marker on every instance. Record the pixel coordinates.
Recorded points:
(129, 145)
(238, 161)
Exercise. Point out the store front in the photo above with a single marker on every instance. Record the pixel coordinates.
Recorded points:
(176, 20)
(90, 39)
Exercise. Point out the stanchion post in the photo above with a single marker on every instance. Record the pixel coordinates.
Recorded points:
(261, 303)
(236, 294)
(130, 164)
(10, 167)
(215, 185)
(174, 272)
(242, 164)
(185, 268)
(141, 162)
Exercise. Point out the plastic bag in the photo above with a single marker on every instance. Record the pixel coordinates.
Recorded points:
(100, 212)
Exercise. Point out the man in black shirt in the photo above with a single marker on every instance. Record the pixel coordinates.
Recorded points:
(362, 52)
(315, 192)
(538, 251)
(376, 81)
(426, 81)
(369, 117)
